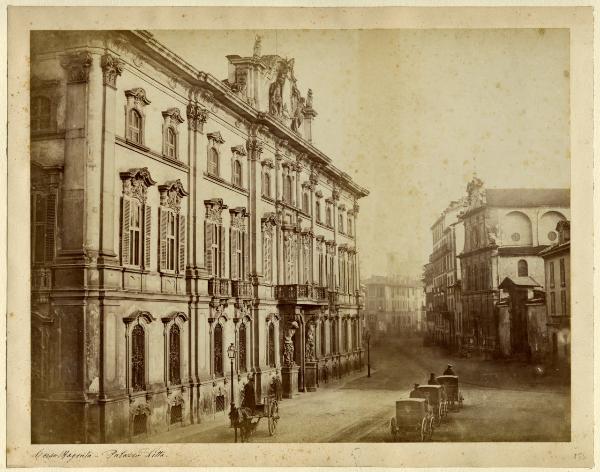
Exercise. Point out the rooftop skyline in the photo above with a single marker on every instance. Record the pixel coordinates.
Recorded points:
(412, 114)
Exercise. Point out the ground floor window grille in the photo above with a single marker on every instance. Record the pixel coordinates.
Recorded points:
(220, 403)
(139, 424)
(176, 414)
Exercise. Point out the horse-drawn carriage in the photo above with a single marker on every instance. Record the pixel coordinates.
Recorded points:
(413, 419)
(246, 420)
(436, 396)
(450, 383)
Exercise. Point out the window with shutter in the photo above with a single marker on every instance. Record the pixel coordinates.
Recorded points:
(218, 350)
(182, 244)
(222, 251)
(147, 236)
(125, 220)
(233, 252)
(208, 247)
(39, 218)
(163, 228)
(245, 271)
(242, 348)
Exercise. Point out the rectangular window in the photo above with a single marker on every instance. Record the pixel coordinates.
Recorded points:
(135, 233)
(563, 303)
(171, 241)
(562, 272)
(551, 268)
(38, 228)
(552, 304)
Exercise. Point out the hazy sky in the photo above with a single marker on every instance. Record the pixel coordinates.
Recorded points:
(411, 114)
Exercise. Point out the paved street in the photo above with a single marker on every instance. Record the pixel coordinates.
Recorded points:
(504, 401)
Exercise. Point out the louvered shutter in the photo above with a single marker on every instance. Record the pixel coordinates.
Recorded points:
(208, 262)
(163, 215)
(182, 230)
(50, 226)
(147, 235)
(245, 254)
(233, 260)
(125, 216)
(222, 250)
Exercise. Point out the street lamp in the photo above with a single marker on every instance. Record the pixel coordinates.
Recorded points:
(231, 355)
(368, 338)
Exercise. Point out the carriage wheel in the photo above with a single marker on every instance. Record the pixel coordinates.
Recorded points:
(460, 401)
(438, 416)
(273, 417)
(423, 430)
(394, 429)
(430, 429)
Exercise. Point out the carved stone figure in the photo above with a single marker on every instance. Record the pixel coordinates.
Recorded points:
(288, 345)
(276, 95)
(310, 342)
(309, 98)
(257, 46)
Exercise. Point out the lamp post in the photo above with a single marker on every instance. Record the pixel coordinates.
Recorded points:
(368, 337)
(231, 355)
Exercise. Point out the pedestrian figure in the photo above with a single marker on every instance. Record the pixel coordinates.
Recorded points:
(249, 400)
(432, 380)
(449, 370)
(414, 393)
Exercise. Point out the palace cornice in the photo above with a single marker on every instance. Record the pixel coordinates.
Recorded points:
(221, 92)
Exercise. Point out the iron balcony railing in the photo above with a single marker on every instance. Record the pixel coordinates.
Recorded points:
(241, 289)
(300, 292)
(219, 287)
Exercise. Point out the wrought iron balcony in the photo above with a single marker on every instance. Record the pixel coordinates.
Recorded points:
(241, 289)
(300, 293)
(333, 298)
(219, 288)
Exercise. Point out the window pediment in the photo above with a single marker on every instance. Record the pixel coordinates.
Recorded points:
(138, 95)
(171, 194)
(136, 183)
(239, 150)
(216, 137)
(174, 114)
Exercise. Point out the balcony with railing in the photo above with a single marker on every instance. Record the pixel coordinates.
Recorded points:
(219, 287)
(301, 293)
(241, 289)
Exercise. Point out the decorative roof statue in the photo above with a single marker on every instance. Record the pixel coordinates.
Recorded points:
(309, 98)
(257, 46)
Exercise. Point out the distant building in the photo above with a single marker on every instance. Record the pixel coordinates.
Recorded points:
(394, 304)
(557, 263)
(446, 313)
(505, 231)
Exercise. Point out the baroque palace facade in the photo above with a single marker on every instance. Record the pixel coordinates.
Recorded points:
(175, 214)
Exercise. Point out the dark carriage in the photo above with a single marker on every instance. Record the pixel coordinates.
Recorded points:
(413, 419)
(450, 382)
(436, 395)
(247, 421)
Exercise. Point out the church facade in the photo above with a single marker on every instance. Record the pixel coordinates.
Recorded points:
(175, 215)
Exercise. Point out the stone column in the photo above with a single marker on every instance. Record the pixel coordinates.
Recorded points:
(255, 148)
(112, 67)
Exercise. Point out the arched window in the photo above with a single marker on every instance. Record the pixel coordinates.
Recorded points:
(266, 184)
(305, 203)
(218, 350)
(213, 162)
(40, 113)
(242, 348)
(288, 189)
(171, 143)
(522, 268)
(134, 132)
(318, 211)
(328, 216)
(271, 345)
(341, 223)
(138, 359)
(174, 355)
(237, 173)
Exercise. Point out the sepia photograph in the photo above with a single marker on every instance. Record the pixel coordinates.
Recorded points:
(311, 234)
